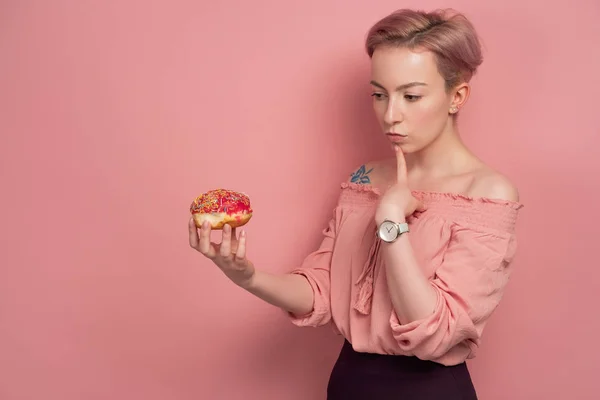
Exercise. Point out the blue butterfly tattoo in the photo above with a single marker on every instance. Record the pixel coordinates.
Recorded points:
(361, 176)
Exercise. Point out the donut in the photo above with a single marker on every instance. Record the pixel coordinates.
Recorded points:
(220, 207)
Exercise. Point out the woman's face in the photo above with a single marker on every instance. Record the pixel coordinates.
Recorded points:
(409, 97)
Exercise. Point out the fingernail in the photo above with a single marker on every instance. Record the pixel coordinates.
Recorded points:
(243, 234)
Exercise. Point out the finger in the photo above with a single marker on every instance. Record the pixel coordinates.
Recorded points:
(241, 249)
(421, 207)
(225, 248)
(193, 233)
(401, 174)
(234, 241)
(205, 246)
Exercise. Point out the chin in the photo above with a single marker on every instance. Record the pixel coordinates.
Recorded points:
(405, 147)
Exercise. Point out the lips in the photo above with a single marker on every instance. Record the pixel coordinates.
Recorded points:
(396, 137)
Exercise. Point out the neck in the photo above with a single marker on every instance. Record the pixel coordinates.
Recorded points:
(446, 155)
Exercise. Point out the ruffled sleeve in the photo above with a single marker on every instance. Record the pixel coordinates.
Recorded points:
(468, 284)
(315, 268)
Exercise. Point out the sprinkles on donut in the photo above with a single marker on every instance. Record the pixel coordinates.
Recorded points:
(220, 207)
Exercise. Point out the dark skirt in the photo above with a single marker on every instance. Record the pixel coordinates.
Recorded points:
(362, 376)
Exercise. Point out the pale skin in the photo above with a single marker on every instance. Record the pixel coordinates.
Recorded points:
(411, 101)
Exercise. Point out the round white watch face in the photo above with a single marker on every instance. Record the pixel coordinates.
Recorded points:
(388, 231)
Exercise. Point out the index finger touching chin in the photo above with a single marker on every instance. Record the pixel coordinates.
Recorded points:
(401, 173)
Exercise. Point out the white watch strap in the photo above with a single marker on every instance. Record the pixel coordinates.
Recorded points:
(402, 228)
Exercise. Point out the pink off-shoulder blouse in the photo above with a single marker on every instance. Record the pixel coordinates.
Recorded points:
(465, 247)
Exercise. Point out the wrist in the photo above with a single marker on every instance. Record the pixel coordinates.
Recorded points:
(398, 219)
(248, 283)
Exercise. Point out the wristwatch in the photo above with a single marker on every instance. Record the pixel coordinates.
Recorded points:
(389, 231)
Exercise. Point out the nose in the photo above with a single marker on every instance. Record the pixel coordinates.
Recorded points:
(393, 114)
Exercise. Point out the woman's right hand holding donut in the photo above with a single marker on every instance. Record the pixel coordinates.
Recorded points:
(229, 255)
(291, 292)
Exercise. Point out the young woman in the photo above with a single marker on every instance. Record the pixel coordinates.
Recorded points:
(417, 254)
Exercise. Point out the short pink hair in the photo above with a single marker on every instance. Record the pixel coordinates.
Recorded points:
(446, 33)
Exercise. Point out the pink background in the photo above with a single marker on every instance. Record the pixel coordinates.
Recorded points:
(114, 115)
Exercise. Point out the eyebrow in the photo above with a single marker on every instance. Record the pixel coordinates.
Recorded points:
(401, 87)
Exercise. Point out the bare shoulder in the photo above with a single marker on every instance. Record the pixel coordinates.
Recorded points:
(370, 173)
(494, 185)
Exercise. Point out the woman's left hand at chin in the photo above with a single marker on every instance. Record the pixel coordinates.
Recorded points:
(398, 202)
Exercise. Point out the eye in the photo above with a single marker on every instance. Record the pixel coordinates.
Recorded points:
(378, 96)
(412, 97)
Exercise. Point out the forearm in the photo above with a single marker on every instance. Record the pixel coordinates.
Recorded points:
(290, 292)
(412, 295)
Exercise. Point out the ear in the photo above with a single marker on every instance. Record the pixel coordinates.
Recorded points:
(459, 96)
